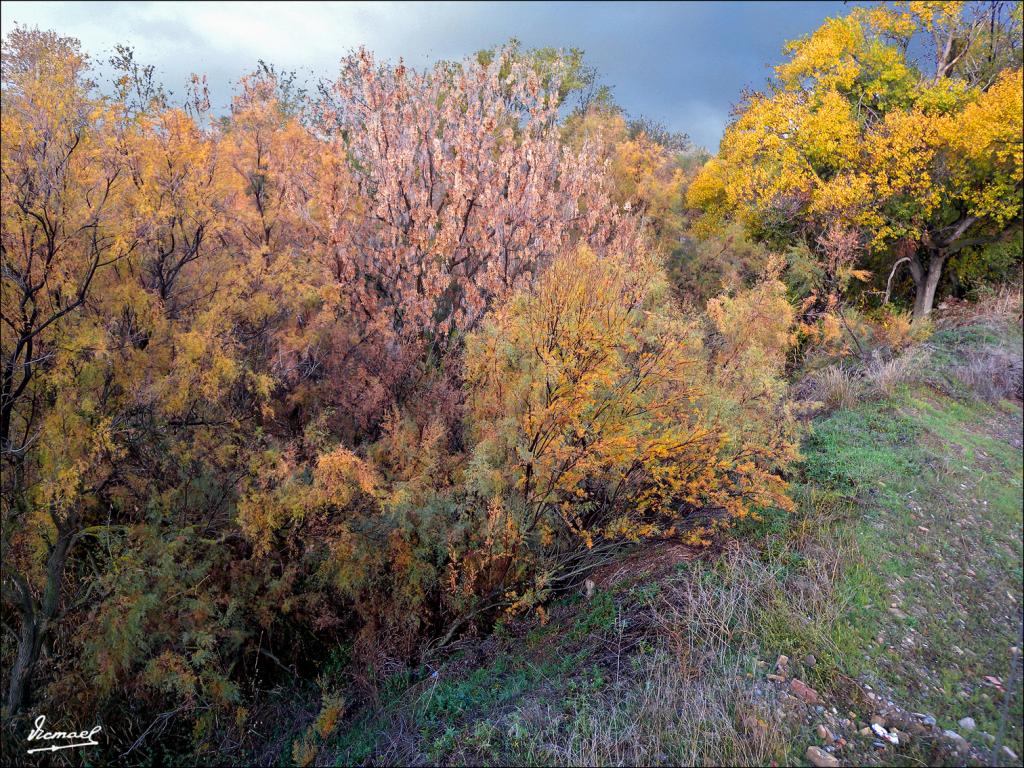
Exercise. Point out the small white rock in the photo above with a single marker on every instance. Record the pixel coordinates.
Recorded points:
(882, 733)
(957, 739)
(967, 723)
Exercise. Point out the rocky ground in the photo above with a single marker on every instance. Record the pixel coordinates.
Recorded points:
(880, 733)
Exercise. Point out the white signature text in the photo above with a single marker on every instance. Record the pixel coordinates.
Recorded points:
(78, 738)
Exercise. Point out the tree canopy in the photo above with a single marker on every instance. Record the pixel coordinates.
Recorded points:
(900, 124)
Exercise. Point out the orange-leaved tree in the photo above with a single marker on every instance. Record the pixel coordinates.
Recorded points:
(64, 226)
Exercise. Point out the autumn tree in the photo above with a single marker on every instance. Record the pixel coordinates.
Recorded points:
(284, 192)
(466, 193)
(921, 156)
(129, 386)
(224, 331)
(64, 225)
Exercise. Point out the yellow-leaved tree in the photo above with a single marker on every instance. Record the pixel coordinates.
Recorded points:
(64, 227)
(918, 160)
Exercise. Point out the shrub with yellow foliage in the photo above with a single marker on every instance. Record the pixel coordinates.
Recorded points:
(594, 416)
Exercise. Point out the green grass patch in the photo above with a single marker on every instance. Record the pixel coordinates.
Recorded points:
(937, 566)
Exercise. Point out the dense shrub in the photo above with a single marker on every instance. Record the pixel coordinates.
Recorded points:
(594, 415)
(362, 373)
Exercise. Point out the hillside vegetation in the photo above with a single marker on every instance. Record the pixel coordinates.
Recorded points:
(454, 415)
(865, 592)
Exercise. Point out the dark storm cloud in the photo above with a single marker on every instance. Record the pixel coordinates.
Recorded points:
(684, 64)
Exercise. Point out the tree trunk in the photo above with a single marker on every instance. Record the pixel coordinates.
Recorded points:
(926, 282)
(35, 622)
(21, 670)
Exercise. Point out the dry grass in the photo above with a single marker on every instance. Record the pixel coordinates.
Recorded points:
(994, 308)
(695, 699)
(993, 373)
(686, 700)
(836, 387)
(660, 717)
(885, 376)
(1001, 304)
(839, 387)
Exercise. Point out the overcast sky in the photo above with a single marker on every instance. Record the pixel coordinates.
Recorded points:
(683, 64)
